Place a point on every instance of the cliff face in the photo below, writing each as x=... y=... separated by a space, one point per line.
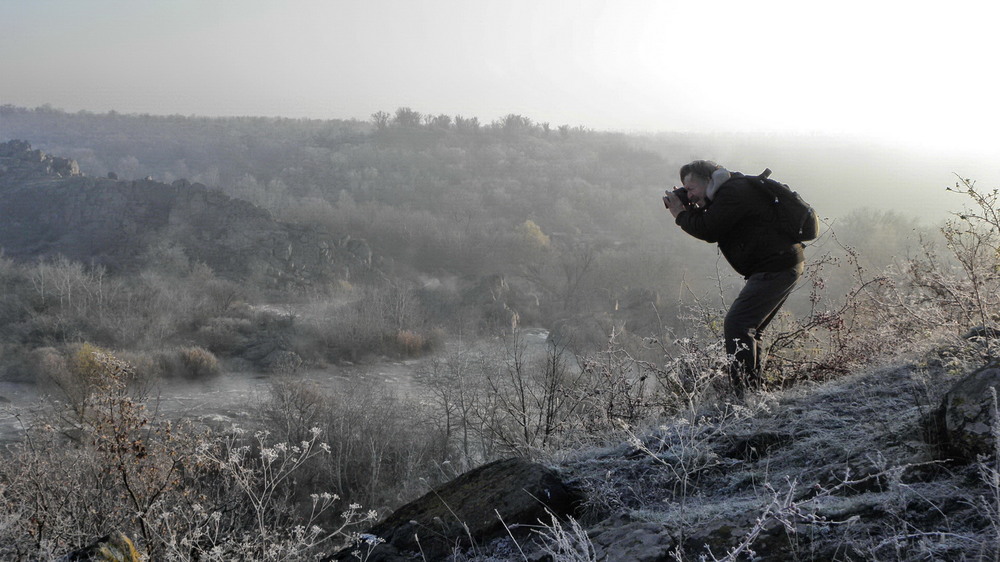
x=48 y=208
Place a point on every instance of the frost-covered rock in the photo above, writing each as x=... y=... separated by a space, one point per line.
x=487 y=503
x=966 y=414
x=620 y=538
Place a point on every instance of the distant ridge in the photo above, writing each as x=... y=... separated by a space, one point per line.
x=48 y=208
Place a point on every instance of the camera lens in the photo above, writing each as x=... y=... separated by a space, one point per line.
x=682 y=194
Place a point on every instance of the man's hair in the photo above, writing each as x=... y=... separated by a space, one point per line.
x=702 y=169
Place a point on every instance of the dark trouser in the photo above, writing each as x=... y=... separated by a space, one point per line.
x=751 y=312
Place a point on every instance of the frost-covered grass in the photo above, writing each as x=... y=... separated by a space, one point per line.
x=838 y=470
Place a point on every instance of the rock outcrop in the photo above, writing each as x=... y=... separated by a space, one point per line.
x=622 y=538
x=966 y=415
x=47 y=209
x=488 y=503
x=18 y=162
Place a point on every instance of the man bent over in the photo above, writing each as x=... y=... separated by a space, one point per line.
x=725 y=208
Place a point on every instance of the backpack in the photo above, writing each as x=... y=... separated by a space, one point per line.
x=794 y=216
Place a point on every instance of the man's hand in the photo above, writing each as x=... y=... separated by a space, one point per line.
x=673 y=203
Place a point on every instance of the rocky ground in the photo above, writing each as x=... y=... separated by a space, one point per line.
x=851 y=469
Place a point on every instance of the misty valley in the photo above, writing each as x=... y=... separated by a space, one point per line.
x=229 y=397
x=257 y=338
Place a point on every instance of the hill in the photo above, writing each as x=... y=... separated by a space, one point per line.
x=475 y=232
x=852 y=469
x=48 y=208
x=570 y=218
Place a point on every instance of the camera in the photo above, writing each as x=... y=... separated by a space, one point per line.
x=682 y=194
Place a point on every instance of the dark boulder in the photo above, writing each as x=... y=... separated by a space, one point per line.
x=962 y=425
x=484 y=504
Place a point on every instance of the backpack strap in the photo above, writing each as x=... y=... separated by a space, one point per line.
x=793 y=216
x=761 y=182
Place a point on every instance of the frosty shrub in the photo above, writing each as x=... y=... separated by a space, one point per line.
x=382 y=446
x=839 y=332
x=833 y=335
x=103 y=463
x=410 y=343
x=99 y=465
x=249 y=514
x=198 y=363
x=692 y=372
x=619 y=388
x=565 y=542
x=191 y=363
x=961 y=288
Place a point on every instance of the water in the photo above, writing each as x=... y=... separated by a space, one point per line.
x=234 y=396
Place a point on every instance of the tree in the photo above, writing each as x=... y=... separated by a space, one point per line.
x=466 y=124
x=439 y=121
x=530 y=400
x=562 y=274
x=531 y=233
x=970 y=293
x=406 y=117
x=381 y=119
x=514 y=124
x=456 y=383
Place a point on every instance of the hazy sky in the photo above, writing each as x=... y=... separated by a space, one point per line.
x=916 y=73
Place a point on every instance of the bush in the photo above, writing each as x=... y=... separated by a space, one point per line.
x=198 y=363
x=224 y=335
x=409 y=342
x=183 y=493
x=383 y=448
x=189 y=363
x=49 y=365
x=22 y=364
x=80 y=374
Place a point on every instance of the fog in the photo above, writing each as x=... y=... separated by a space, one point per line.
x=841 y=174
x=865 y=112
x=433 y=231
x=464 y=227
x=908 y=77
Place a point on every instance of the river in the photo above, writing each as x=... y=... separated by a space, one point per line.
x=232 y=395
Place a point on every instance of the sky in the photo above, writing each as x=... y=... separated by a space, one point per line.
x=913 y=74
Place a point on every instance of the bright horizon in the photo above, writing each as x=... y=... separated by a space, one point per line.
x=893 y=73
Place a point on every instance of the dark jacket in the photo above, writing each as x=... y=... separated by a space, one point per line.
x=740 y=218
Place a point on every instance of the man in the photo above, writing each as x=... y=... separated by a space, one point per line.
x=726 y=208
